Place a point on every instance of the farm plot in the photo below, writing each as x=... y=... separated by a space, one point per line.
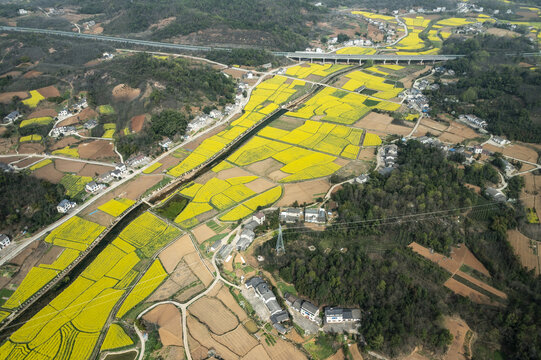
x=305 y=70
x=324 y=137
x=302 y=164
x=526 y=249
x=34 y=100
x=214 y=194
x=167 y=317
x=272 y=92
x=67 y=151
x=339 y=106
x=362 y=79
x=116 y=338
x=74 y=184
x=115 y=207
x=44 y=120
x=246 y=208
x=28 y=138
x=69 y=327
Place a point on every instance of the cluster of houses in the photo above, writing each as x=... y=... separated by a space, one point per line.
x=332 y=315
x=389 y=154
x=473 y=121
x=4 y=241
x=65 y=205
x=63 y=131
x=310 y=215
x=74 y=109
x=470 y=29
x=416 y=100
x=118 y=173
x=263 y=292
x=247 y=234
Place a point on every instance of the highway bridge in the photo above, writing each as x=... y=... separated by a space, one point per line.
x=300 y=56
x=343 y=58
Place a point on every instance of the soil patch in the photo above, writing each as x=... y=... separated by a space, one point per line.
x=238 y=340
x=97 y=149
x=225 y=296
x=203 y=233
x=257 y=353
x=48 y=173
x=195 y=143
x=135 y=188
x=68 y=166
x=137 y=122
x=524 y=248
x=502 y=32
x=233 y=172
x=382 y=124
x=197 y=267
x=461 y=289
x=5 y=98
x=48 y=91
x=13 y=74
x=259 y=185
x=172 y=255
x=28 y=161
x=32 y=74
x=283 y=350
x=408 y=80
x=31 y=148
x=123 y=92
x=214 y=314
x=305 y=192
x=167 y=317
x=264 y=167
x=201 y=334
x=94 y=170
x=521 y=152
x=62 y=143
x=42 y=113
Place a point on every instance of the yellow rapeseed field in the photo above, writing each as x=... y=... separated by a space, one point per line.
x=371 y=140
x=191 y=190
x=116 y=338
x=151 y=168
x=67 y=151
x=144 y=287
x=115 y=207
x=30 y=138
x=36 y=278
x=41 y=164
x=44 y=120
x=34 y=99
x=249 y=206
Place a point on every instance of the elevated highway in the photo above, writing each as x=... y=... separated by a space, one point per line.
x=300 y=56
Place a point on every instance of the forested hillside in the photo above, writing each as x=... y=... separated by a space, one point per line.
x=362 y=260
x=493 y=86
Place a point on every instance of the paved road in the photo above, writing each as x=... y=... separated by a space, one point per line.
x=45 y=156
x=17 y=247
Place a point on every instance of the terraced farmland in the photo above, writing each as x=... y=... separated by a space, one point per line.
x=74 y=235
x=69 y=327
x=264 y=99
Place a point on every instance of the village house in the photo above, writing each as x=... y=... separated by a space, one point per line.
x=64 y=206
x=496 y=194
x=137 y=160
x=225 y=251
x=500 y=141
x=264 y=293
x=4 y=241
x=291 y=215
x=335 y=315
x=93 y=187
x=215 y=246
x=315 y=216
x=106 y=177
x=62 y=130
x=12 y=117
x=304 y=307
x=166 y=143
x=63 y=114
x=90 y=124
x=259 y=217
x=361 y=179
x=247 y=236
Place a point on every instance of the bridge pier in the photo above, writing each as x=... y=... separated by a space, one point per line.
x=348 y=61
x=396 y=61
x=409 y=62
x=360 y=62
x=384 y=61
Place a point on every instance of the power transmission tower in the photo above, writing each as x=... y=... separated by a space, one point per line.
x=280 y=249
